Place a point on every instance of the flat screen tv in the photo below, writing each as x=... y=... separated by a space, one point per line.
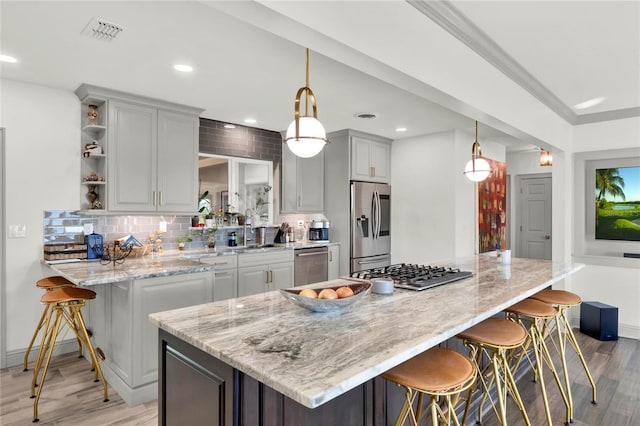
x=618 y=203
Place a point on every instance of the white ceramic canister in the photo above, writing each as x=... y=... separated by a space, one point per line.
x=382 y=285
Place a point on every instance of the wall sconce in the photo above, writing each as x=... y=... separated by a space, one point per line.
x=306 y=135
x=546 y=159
x=477 y=169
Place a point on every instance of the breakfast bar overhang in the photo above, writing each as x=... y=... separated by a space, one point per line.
x=262 y=360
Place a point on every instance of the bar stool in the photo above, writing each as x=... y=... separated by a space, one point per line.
x=47 y=284
x=536 y=313
x=438 y=373
x=494 y=337
x=562 y=300
x=67 y=303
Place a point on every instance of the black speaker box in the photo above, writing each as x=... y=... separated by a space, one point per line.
x=599 y=320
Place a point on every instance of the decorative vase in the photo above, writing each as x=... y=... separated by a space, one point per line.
x=92 y=115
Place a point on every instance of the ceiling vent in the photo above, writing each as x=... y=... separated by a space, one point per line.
x=102 y=30
x=365 y=115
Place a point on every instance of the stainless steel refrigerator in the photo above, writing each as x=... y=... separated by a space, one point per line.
x=370 y=225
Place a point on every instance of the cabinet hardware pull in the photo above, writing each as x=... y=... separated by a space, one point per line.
x=270 y=276
x=318 y=253
x=154 y=198
x=161 y=198
x=221 y=273
x=330 y=256
x=373 y=171
x=298 y=200
x=266 y=281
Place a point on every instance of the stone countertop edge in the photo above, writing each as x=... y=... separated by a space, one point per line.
x=315 y=357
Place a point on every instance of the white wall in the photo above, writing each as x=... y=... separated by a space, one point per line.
x=607 y=279
x=42 y=172
x=434 y=204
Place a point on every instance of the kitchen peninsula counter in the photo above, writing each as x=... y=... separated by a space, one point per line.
x=175 y=262
x=313 y=358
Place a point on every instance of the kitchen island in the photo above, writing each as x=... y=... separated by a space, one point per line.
x=262 y=360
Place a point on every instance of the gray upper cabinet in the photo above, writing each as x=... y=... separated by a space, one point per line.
x=151 y=153
x=302 y=183
x=370 y=160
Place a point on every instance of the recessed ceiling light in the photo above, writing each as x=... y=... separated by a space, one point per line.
x=365 y=115
x=7 y=58
x=250 y=120
x=401 y=129
x=183 y=67
x=590 y=103
x=229 y=126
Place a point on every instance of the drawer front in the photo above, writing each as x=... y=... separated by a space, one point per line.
x=265 y=258
x=222 y=262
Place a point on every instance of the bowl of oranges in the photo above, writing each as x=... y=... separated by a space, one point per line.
x=329 y=298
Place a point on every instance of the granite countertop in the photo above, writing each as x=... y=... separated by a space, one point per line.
x=171 y=262
x=314 y=357
x=88 y=273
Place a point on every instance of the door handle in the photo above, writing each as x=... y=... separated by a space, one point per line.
x=547 y=237
x=318 y=253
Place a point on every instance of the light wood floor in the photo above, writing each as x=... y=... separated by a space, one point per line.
x=71 y=398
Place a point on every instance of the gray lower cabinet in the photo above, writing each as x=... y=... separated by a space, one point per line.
x=261 y=272
x=225 y=277
x=333 y=267
x=121 y=327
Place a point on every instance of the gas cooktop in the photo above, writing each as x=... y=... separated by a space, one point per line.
x=414 y=277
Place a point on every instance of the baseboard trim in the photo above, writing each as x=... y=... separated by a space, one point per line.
x=17 y=357
x=132 y=396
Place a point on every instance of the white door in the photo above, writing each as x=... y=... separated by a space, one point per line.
x=535 y=210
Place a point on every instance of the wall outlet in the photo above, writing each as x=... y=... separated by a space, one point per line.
x=18 y=231
x=300 y=223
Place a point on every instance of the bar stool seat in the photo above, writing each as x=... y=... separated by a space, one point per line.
x=438 y=372
x=493 y=337
x=536 y=313
x=47 y=283
x=66 y=303
x=562 y=300
x=557 y=297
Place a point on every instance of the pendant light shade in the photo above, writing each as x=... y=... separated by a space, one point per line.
x=306 y=135
x=546 y=159
x=477 y=169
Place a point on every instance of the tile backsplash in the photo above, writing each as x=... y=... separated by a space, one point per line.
x=67 y=226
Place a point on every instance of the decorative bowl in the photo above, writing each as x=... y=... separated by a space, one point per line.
x=360 y=289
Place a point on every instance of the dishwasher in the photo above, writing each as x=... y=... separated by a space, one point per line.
x=310 y=265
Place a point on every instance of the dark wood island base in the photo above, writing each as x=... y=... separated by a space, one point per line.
x=197 y=389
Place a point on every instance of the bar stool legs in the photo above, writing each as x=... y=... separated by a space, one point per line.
x=536 y=313
x=494 y=338
x=440 y=374
x=66 y=305
x=562 y=300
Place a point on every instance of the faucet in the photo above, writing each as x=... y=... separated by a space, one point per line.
x=247 y=228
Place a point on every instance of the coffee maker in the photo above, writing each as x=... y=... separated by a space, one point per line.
x=319 y=230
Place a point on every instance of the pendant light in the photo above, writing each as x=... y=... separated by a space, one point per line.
x=546 y=159
x=306 y=135
x=477 y=168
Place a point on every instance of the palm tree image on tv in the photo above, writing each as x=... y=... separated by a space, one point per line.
x=618 y=204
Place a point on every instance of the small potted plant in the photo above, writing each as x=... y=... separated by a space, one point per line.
x=183 y=240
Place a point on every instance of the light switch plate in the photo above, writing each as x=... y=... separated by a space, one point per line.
x=18 y=231
x=300 y=223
